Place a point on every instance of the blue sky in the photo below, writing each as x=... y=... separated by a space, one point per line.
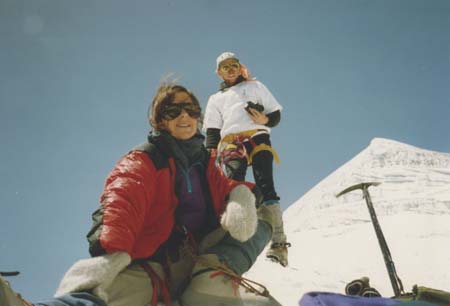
x=77 y=78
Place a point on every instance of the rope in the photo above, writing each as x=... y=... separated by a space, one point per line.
x=249 y=285
x=157 y=283
x=161 y=286
x=188 y=249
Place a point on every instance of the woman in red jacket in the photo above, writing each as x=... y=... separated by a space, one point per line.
x=170 y=225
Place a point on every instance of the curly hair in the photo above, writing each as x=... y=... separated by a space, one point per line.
x=165 y=95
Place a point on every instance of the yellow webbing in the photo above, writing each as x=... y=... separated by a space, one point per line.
x=228 y=142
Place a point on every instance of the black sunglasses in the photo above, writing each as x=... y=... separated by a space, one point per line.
x=173 y=110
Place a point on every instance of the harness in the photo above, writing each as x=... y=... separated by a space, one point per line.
x=158 y=285
x=243 y=145
x=165 y=256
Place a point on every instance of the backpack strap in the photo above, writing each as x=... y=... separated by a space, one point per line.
x=160 y=161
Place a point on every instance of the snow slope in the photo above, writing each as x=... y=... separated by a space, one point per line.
x=333 y=240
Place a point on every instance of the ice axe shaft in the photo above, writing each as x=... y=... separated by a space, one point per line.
x=397 y=285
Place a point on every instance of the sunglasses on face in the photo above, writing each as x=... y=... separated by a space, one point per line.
x=226 y=67
x=173 y=110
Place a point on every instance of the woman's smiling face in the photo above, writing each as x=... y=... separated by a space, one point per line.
x=184 y=126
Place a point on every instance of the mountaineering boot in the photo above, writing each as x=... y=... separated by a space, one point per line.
x=278 y=249
x=8 y=297
x=214 y=284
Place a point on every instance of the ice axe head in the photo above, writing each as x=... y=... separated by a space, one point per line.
x=362 y=186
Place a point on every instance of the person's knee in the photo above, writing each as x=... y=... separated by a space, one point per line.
x=240 y=256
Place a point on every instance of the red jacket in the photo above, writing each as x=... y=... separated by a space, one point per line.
x=139 y=201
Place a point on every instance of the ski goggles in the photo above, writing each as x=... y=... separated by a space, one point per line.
x=173 y=110
x=227 y=67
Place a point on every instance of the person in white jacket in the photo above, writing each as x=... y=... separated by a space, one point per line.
x=237 y=121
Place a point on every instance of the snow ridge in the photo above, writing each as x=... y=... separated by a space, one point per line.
x=390 y=153
x=413 y=179
x=333 y=241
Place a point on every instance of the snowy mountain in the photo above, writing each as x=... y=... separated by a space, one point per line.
x=333 y=240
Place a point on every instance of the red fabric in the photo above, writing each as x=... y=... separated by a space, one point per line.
x=139 y=202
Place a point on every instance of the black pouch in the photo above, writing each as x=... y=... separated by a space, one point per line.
x=256 y=106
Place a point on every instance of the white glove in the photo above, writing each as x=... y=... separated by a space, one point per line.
x=240 y=217
x=95 y=273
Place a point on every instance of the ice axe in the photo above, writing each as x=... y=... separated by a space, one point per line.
x=397 y=285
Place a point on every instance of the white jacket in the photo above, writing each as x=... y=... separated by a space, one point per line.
x=226 y=109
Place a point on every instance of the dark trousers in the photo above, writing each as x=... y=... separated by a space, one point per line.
x=262 y=165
